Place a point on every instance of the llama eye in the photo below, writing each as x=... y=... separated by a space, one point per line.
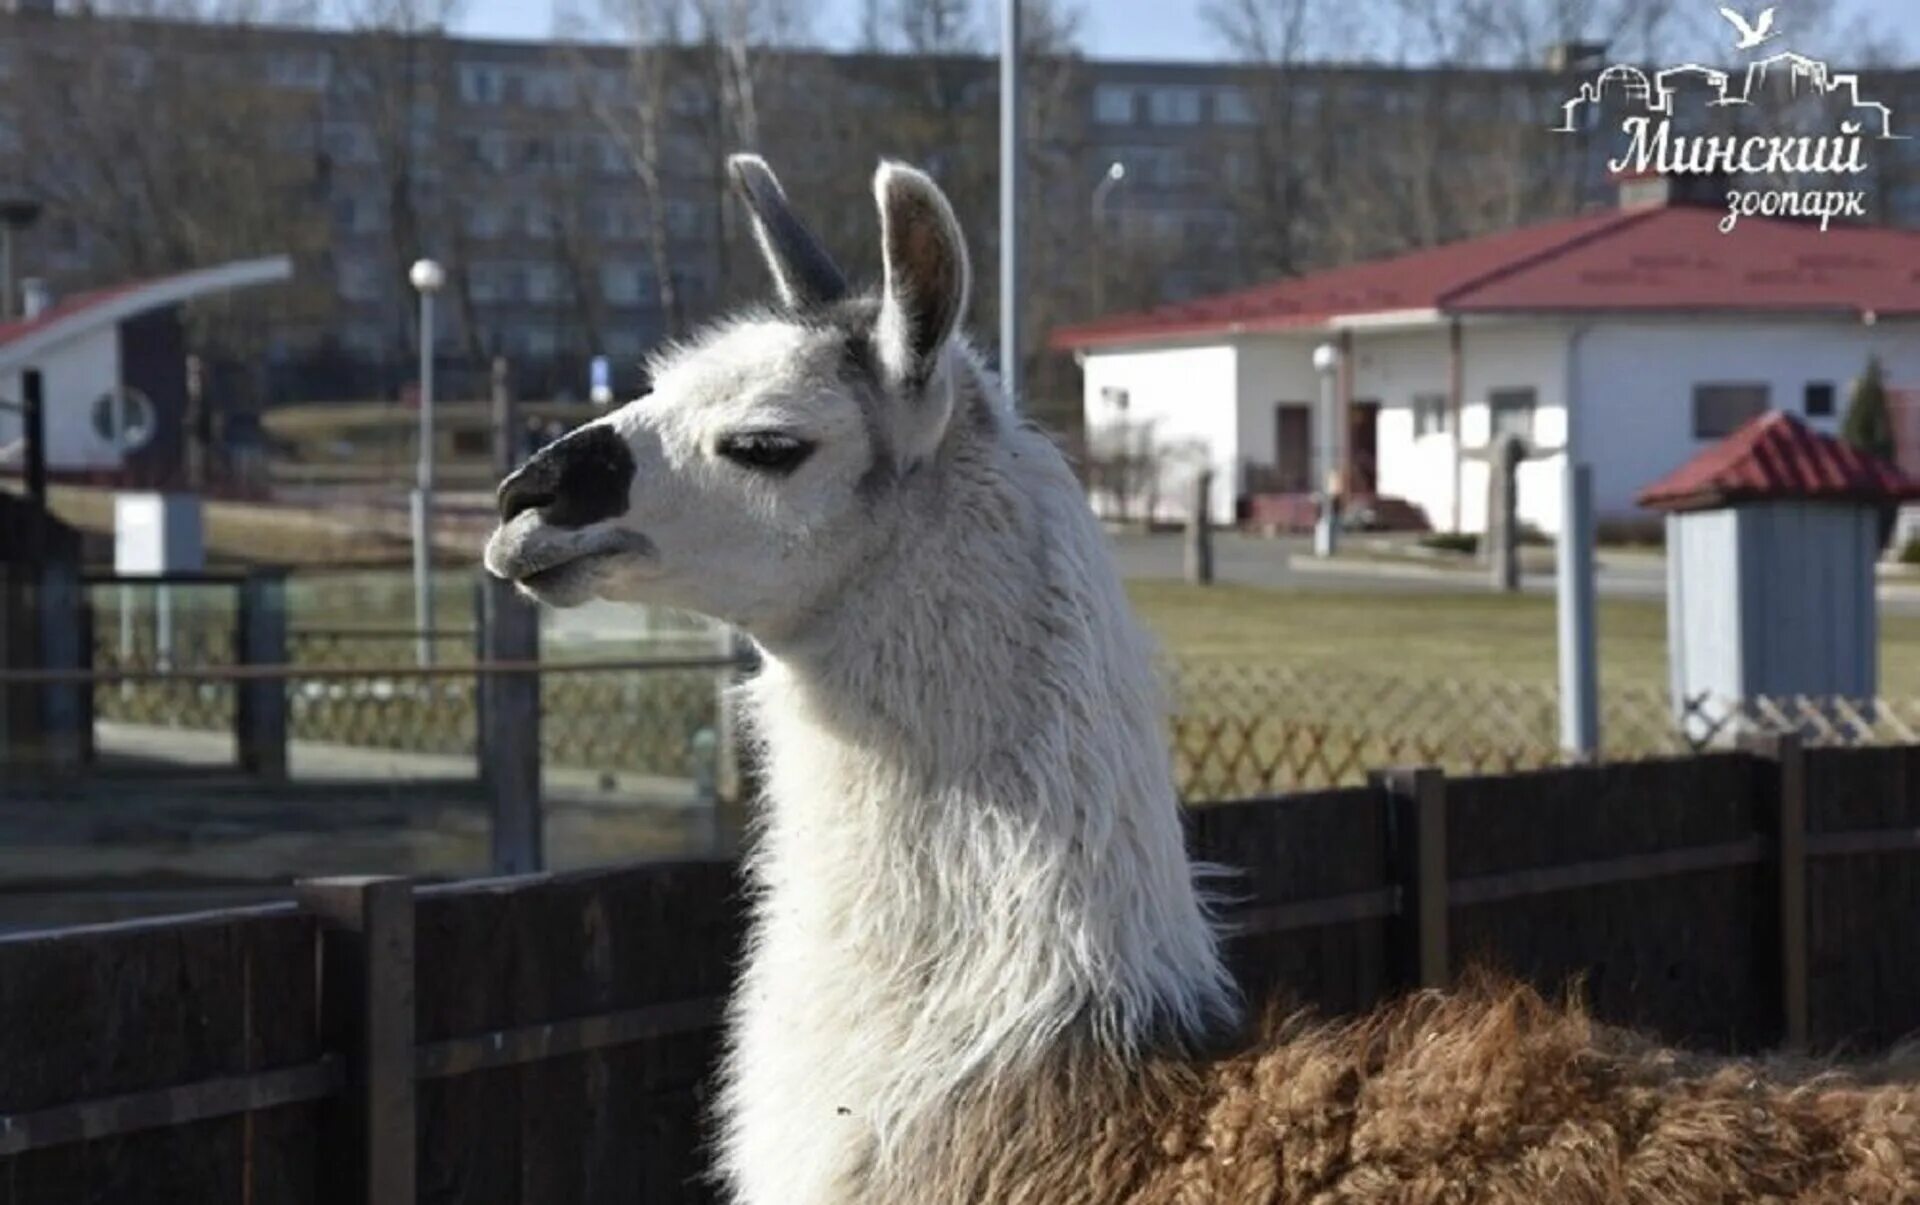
x=765 y=451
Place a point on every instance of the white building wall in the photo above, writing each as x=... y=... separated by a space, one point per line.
x=1275 y=370
x=74 y=375
x=1637 y=379
x=1393 y=369
x=1515 y=356
x=1187 y=395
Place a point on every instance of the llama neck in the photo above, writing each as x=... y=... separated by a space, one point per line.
x=972 y=853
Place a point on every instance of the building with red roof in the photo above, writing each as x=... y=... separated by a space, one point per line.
x=112 y=364
x=1635 y=335
x=1772 y=537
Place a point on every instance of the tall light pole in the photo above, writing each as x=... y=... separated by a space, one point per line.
x=1116 y=172
x=16 y=213
x=1326 y=524
x=427 y=278
x=1012 y=147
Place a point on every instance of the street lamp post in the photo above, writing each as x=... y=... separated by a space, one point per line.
x=1116 y=172
x=16 y=213
x=1326 y=525
x=1012 y=152
x=427 y=278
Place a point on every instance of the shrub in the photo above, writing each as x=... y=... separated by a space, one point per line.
x=1868 y=426
x=1451 y=541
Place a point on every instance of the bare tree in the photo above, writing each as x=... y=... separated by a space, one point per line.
x=389 y=93
x=153 y=156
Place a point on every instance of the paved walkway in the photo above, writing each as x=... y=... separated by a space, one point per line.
x=1288 y=563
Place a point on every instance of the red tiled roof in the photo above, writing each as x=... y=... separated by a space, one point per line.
x=85 y=312
x=1776 y=456
x=65 y=308
x=1671 y=258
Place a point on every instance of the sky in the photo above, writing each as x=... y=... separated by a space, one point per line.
x=1142 y=29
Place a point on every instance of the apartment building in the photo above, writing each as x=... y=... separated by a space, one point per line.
x=576 y=193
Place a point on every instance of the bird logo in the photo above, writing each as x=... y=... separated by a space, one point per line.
x=1751 y=35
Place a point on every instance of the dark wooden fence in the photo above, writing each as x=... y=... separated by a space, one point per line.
x=549 y=1038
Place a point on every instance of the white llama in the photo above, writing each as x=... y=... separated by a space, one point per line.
x=979 y=968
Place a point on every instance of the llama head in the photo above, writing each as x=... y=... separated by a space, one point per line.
x=769 y=463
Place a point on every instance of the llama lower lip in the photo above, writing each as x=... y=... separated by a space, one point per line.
x=530 y=562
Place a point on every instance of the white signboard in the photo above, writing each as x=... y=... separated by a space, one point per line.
x=157 y=534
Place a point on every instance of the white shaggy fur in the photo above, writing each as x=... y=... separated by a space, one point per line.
x=970 y=848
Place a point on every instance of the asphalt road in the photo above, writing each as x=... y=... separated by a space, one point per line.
x=1288 y=563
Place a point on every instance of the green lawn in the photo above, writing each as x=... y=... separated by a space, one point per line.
x=1483 y=637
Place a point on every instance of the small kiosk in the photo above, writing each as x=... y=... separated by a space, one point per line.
x=1772 y=537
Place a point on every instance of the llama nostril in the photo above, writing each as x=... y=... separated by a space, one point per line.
x=523 y=492
x=581 y=478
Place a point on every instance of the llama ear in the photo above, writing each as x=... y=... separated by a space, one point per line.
x=926 y=275
x=803 y=273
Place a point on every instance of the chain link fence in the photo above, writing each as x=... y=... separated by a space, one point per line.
x=1243 y=730
x=1237 y=729
x=657 y=722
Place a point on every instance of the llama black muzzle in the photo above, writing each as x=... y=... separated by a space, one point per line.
x=581 y=478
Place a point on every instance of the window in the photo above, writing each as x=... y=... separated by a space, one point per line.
x=125 y=418
x=1115 y=397
x=357 y=215
x=348 y=143
x=485 y=219
x=542 y=282
x=536 y=219
x=683 y=219
x=538 y=341
x=1174 y=106
x=481 y=84
x=490 y=282
x=1510 y=412
x=1230 y=107
x=1113 y=105
x=1818 y=402
x=624 y=284
x=1429 y=414
x=1720 y=410
x=359 y=280
x=547 y=89
x=303 y=69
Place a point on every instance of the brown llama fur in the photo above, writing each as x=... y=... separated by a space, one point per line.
x=1487 y=1095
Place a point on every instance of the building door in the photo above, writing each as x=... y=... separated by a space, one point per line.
x=1292 y=448
x=1363 y=448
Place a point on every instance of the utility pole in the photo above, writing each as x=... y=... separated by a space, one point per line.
x=1109 y=180
x=427 y=278
x=1012 y=149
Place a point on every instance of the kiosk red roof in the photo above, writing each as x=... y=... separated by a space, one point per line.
x=1776 y=456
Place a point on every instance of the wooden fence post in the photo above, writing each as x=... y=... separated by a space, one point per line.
x=65 y=712
x=1417 y=860
x=1787 y=828
x=260 y=705
x=1200 y=530
x=508 y=705
x=33 y=432
x=367 y=1015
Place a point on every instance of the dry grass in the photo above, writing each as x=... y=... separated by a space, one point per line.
x=1429 y=636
